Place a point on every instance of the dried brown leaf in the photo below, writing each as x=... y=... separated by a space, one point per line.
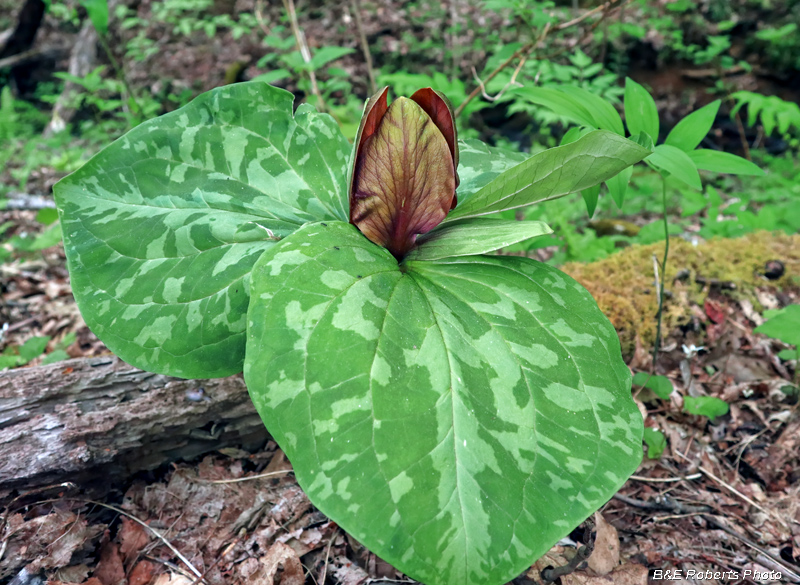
x=605 y=555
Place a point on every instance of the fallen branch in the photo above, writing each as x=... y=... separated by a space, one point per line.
x=91 y=421
x=27 y=202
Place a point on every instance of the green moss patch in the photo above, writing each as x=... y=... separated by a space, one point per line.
x=624 y=283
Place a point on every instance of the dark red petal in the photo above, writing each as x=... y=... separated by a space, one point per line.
x=439 y=108
x=373 y=113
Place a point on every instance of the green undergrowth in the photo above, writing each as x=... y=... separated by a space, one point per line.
x=623 y=283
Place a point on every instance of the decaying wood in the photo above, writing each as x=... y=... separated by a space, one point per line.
x=93 y=420
x=27 y=201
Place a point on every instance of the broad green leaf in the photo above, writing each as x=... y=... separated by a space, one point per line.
x=325 y=55
x=478 y=164
x=783 y=325
x=641 y=114
x=660 y=385
x=475 y=236
x=656 y=442
x=58 y=355
x=708 y=406
x=689 y=132
x=98 y=14
x=618 y=186
x=590 y=197
x=457 y=417
x=162 y=227
x=560 y=103
x=602 y=111
x=677 y=163
x=554 y=173
x=723 y=162
x=33 y=348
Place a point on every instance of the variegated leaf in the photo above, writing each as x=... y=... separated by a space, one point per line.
x=479 y=164
x=458 y=417
x=162 y=228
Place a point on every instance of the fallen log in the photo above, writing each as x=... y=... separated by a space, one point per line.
x=94 y=420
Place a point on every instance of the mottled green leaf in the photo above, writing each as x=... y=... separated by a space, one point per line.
x=641 y=114
x=723 y=162
x=479 y=235
x=457 y=417
x=554 y=173
x=162 y=227
x=677 y=163
x=479 y=163
x=689 y=132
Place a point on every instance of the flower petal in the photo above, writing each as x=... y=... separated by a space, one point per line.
x=373 y=113
x=439 y=108
x=404 y=180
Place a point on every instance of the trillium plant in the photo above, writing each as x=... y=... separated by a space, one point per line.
x=458 y=412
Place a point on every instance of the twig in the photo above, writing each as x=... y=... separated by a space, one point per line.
x=327 y=556
x=736 y=492
x=155 y=532
x=551 y=574
x=302 y=46
x=373 y=87
x=120 y=73
x=660 y=285
x=241 y=479
x=526 y=50
x=666 y=479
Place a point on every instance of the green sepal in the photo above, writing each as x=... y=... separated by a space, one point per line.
x=479 y=235
x=553 y=173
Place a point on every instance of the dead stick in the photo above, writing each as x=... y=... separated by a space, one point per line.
x=364 y=46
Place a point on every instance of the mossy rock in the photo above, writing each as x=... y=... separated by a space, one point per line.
x=624 y=283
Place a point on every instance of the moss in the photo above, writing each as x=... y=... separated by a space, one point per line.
x=624 y=283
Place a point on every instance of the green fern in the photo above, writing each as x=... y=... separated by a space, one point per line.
x=772 y=111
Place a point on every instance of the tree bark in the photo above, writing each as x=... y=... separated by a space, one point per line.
x=28 y=21
x=94 y=420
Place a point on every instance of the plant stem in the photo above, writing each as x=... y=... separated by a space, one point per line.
x=663 y=273
x=364 y=45
x=120 y=73
x=302 y=46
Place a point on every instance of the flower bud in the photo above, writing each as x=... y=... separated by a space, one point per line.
x=403 y=182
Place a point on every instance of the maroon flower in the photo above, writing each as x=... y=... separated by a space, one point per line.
x=404 y=180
